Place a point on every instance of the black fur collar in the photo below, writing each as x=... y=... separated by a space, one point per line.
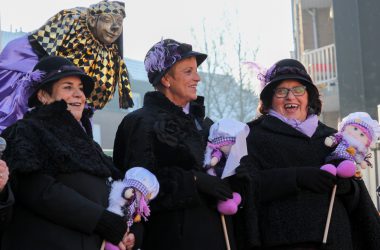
x=50 y=140
x=159 y=100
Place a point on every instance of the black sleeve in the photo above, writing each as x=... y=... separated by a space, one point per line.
x=138 y=230
x=271 y=184
x=350 y=198
x=56 y=202
x=133 y=143
x=6 y=203
x=134 y=147
x=62 y=205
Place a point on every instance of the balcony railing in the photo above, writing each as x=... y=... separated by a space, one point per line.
x=321 y=65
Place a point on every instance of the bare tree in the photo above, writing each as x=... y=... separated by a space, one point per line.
x=245 y=109
x=225 y=84
x=213 y=80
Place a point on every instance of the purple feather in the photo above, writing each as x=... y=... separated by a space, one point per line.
x=261 y=74
x=27 y=85
x=161 y=57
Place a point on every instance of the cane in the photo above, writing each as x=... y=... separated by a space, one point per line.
x=329 y=215
x=103 y=245
x=225 y=232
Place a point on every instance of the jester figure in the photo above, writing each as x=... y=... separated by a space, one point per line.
x=90 y=37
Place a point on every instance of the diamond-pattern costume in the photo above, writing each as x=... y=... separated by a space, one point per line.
x=65 y=34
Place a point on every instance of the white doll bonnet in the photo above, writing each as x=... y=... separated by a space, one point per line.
x=363 y=119
x=228 y=129
x=143 y=180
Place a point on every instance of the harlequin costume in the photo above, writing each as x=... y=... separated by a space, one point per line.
x=65 y=34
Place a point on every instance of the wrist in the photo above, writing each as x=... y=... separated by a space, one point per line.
x=112 y=227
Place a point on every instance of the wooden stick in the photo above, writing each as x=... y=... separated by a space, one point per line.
x=103 y=245
x=225 y=232
x=329 y=215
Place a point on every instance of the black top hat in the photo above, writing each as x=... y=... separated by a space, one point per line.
x=55 y=68
x=286 y=69
x=164 y=54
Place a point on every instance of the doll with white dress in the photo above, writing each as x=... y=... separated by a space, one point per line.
x=227 y=145
x=130 y=197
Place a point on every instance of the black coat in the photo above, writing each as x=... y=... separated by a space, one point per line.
x=162 y=138
x=280 y=213
x=59 y=177
x=6 y=203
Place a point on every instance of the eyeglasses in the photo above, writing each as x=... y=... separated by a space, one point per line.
x=283 y=92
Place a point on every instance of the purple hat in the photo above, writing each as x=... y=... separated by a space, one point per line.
x=164 y=54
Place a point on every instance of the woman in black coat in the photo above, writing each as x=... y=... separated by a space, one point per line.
x=59 y=173
x=168 y=136
x=288 y=195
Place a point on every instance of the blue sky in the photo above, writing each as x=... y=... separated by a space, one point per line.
x=266 y=24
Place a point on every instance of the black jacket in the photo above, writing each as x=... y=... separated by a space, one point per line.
x=278 y=212
x=59 y=177
x=6 y=203
x=162 y=138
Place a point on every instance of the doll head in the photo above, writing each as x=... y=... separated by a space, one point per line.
x=141 y=186
x=141 y=180
x=360 y=128
x=359 y=133
x=220 y=142
x=227 y=137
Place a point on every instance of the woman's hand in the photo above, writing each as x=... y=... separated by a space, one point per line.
x=212 y=185
x=4 y=174
x=128 y=241
x=315 y=179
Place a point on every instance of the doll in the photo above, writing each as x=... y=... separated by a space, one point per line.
x=130 y=197
x=357 y=132
x=226 y=146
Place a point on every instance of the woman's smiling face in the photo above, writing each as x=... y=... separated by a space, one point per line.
x=291 y=106
x=69 y=89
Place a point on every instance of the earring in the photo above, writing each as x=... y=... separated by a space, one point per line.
x=169 y=85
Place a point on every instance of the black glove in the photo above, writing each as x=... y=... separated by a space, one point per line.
x=138 y=230
x=112 y=227
x=315 y=179
x=212 y=185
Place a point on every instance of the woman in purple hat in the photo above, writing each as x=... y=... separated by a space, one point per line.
x=59 y=173
x=168 y=136
x=288 y=195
